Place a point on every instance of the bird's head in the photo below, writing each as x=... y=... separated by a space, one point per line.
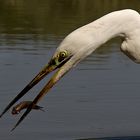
x=70 y=52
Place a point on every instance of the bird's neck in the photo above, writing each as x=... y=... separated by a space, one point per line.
x=88 y=38
x=124 y=23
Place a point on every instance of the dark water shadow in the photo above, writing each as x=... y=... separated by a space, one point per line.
x=114 y=138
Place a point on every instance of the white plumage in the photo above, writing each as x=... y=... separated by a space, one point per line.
x=124 y=23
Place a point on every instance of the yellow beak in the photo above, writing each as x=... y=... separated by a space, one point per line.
x=52 y=65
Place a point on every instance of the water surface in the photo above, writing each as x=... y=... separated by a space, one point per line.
x=98 y=99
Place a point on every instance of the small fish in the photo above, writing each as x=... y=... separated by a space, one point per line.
x=23 y=105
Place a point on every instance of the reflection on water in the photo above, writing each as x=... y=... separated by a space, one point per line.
x=99 y=98
x=54 y=17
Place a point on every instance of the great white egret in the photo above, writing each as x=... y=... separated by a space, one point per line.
x=81 y=43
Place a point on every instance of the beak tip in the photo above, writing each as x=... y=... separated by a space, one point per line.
x=13 y=129
x=1 y=115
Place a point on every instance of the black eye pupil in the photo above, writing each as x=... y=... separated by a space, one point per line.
x=62 y=54
x=61 y=57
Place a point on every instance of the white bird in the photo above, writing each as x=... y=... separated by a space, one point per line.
x=81 y=43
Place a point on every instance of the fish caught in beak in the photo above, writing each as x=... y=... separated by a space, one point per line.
x=58 y=62
x=46 y=70
x=23 y=105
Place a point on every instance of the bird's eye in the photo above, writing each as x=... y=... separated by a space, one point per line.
x=62 y=55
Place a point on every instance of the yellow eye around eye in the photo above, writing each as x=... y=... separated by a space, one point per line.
x=63 y=54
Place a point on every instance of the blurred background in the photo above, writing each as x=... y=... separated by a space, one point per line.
x=98 y=98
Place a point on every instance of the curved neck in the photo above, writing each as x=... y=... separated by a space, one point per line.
x=83 y=41
x=124 y=23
